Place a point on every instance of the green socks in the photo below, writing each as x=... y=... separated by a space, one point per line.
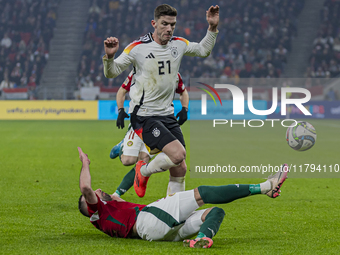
x=126 y=183
x=223 y=194
x=212 y=223
x=228 y=193
x=255 y=189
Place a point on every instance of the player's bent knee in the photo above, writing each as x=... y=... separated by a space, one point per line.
x=215 y=212
x=144 y=156
x=219 y=211
x=128 y=160
x=178 y=157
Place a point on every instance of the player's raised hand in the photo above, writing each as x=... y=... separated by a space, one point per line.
x=83 y=157
x=213 y=17
x=111 y=45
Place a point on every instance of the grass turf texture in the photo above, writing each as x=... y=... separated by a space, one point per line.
x=39 y=194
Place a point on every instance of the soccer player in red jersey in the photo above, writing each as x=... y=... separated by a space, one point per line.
x=173 y=218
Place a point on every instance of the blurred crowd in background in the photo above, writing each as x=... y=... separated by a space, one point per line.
x=325 y=57
x=26 y=28
x=254 y=36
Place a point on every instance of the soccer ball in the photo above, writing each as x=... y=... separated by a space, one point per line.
x=301 y=137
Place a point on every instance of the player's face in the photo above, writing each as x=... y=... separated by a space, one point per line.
x=102 y=195
x=164 y=28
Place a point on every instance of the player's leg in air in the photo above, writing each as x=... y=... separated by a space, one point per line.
x=117 y=150
x=114 y=153
x=173 y=210
x=131 y=150
x=161 y=133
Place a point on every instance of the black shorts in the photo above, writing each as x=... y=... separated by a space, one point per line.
x=157 y=131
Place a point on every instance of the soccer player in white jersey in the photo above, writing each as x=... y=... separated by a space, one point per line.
x=156 y=59
x=131 y=148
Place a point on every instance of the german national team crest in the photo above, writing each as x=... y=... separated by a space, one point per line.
x=174 y=52
x=156 y=132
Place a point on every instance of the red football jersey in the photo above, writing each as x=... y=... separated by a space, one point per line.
x=180 y=86
x=114 y=218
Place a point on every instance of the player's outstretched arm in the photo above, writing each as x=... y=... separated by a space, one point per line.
x=213 y=17
x=204 y=48
x=85 y=179
x=114 y=67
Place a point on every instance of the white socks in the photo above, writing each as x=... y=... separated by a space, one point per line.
x=265 y=186
x=176 y=184
x=160 y=163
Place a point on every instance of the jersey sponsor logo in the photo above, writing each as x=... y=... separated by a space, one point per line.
x=129 y=143
x=150 y=56
x=156 y=132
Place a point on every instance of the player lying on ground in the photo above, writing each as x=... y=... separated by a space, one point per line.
x=132 y=148
x=156 y=59
x=173 y=218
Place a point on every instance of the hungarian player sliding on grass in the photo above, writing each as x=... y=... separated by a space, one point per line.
x=131 y=148
x=156 y=59
x=173 y=218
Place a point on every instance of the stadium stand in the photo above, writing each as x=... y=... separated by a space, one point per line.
x=324 y=61
x=254 y=40
x=26 y=28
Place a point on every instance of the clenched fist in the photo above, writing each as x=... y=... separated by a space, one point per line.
x=111 y=45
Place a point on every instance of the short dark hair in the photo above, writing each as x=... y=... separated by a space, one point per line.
x=164 y=10
x=83 y=207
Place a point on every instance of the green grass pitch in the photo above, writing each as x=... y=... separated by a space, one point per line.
x=39 y=168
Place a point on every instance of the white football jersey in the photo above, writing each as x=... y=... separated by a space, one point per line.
x=155 y=70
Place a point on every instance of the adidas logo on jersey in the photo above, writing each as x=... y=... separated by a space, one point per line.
x=150 y=56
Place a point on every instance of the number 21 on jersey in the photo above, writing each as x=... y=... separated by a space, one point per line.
x=162 y=67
